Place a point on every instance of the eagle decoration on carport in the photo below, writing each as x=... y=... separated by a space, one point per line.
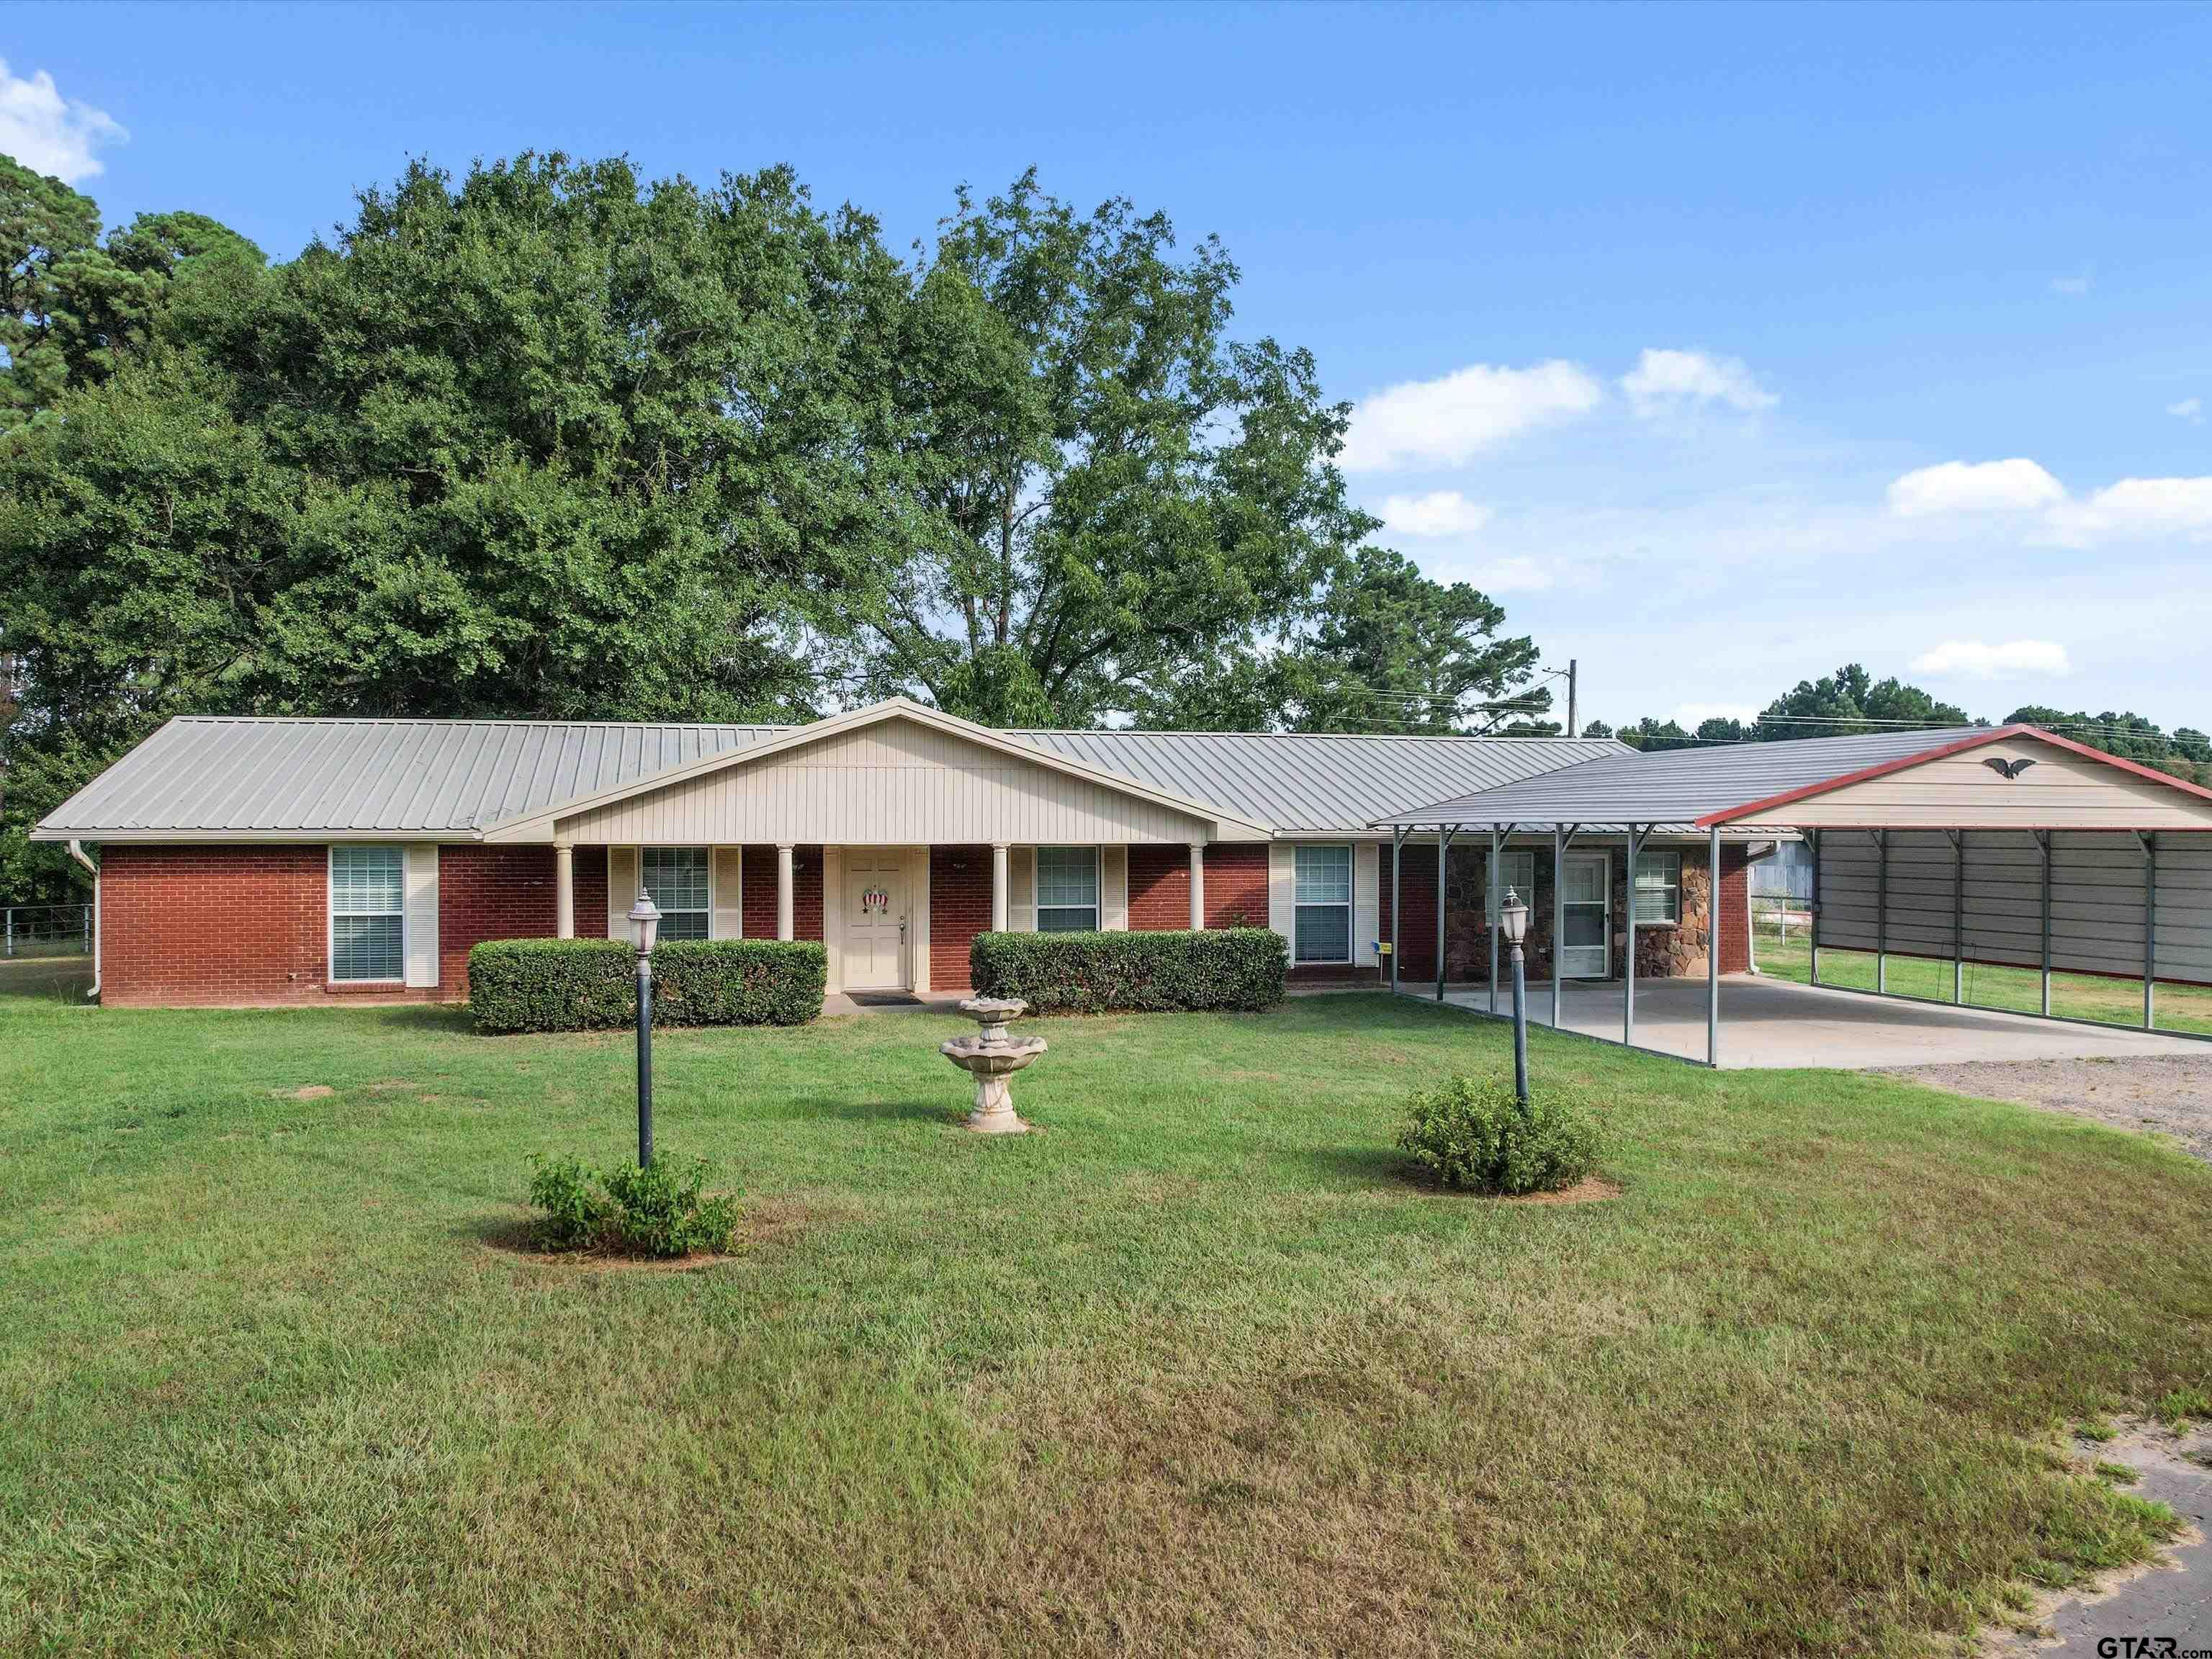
x=2008 y=768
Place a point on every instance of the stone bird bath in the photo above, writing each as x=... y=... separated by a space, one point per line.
x=993 y=1058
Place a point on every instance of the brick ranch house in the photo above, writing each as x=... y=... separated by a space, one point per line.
x=266 y=861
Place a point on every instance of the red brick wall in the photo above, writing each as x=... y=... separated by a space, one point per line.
x=959 y=909
x=1736 y=908
x=219 y=924
x=1159 y=887
x=760 y=892
x=590 y=878
x=1236 y=885
x=212 y=924
x=499 y=892
x=805 y=892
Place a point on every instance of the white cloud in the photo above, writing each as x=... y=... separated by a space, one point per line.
x=2190 y=410
x=1439 y=513
x=2075 y=286
x=1978 y=659
x=1691 y=715
x=2141 y=507
x=1444 y=422
x=1515 y=575
x=50 y=134
x=2018 y=485
x=1664 y=380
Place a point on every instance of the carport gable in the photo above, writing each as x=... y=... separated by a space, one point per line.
x=2013 y=777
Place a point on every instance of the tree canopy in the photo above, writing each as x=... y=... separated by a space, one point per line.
x=547 y=439
x=1853 y=700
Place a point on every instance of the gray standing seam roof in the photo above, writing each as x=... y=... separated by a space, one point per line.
x=1672 y=788
x=205 y=775
x=1298 y=782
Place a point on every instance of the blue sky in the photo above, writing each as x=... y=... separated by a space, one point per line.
x=1722 y=345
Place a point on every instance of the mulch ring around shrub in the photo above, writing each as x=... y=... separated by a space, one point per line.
x=763 y=1223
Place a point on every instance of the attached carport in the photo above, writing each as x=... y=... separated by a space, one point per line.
x=2009 y=845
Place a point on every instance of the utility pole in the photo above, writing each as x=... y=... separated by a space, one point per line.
x=1572 y=728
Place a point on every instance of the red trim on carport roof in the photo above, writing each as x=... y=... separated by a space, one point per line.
x=1978 y=740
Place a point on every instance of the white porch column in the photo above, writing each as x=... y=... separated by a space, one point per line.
x=999 y=885
x=1198 y=887
x=564 y=890
x=783 y=890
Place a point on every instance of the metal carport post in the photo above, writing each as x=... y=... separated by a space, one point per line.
x=1628 y=967
x=1562 y=838
x=1713 y=945
x=1444 y=833
x=1397 y=845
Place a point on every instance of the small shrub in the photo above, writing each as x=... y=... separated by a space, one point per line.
x=591 y=984
x=657 y=1211
x=1473 y=1134
x=1132 y=973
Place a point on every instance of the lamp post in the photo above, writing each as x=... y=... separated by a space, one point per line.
x=644 y=924
x=1513 y=926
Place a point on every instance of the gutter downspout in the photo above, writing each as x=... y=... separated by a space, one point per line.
x=76 y=852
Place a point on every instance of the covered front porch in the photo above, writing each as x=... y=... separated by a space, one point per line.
x=901 y=919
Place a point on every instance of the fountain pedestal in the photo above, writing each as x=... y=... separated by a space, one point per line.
x=992 y=1058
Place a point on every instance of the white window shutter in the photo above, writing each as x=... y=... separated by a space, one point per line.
x=1113 y=890
x=622 y=889
x=1021 y=889
x=422 y=917
x=1282 y=888
x=1366 y=919
x=729 y=879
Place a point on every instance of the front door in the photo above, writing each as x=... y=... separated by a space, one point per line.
x=1586 y=919
x=875 y=920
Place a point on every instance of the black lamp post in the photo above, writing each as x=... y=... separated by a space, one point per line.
x=1513 y=927
x=644 y=925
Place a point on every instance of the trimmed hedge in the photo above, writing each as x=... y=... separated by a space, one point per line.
x=1145 y=973
x=591 y=984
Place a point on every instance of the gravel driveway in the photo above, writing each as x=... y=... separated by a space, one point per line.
x=2172 y=1095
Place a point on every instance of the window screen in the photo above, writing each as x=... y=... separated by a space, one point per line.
x=676 y=879
x=1323 y=926
x=1658 y=888
x=368 y=893
x=1067 y=889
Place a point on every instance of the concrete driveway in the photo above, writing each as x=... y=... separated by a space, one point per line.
x=1777 y=1023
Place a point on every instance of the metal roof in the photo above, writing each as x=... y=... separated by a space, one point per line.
x=1337 y=782
x=1672 y=789
x=200 y=775
x=212 y=777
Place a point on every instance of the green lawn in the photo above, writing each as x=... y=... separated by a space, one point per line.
x=1193 y=1370
x=2079 y=996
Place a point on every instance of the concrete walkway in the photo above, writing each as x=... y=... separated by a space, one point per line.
x=2166 y=1608
x=1777 y=1023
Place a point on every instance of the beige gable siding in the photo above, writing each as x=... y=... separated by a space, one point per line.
x=894 y=782
x=2061 y=791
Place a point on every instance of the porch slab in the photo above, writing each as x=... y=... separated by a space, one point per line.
x=1770 y=1023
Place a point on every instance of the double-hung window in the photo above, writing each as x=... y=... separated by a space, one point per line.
x=1658 y=890
x=1517 y=875
x=368 y=928
x=1323 y=925
x=1067 y=889
x=676 y=880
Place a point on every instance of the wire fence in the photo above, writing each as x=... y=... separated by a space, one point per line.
x=45 y=930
